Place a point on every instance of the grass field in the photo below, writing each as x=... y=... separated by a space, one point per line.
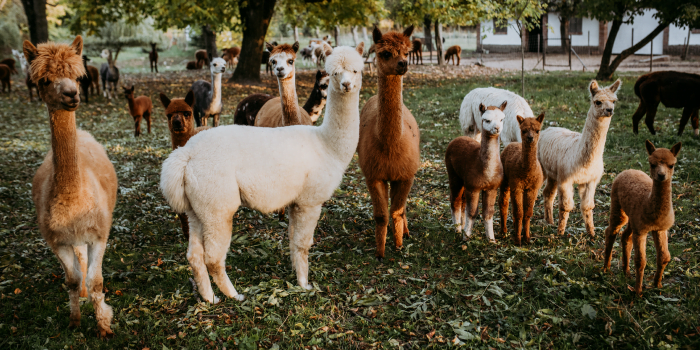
x=436 y=292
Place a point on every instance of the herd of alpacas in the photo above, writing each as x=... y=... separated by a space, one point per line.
x=275 y=158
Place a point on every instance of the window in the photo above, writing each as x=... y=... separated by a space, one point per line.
x=576 y=26
x=499 y=29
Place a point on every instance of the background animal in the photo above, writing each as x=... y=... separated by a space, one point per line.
x=452 y=53
x=10 y=62
x=248 y=108
x=110 y=74
x=201 y=58
x=674 y=90
x=192 y=65
x=140 y=108
x=153 y=58
x=230 y=55
x=317 y=99
x=94 y=78
x=569 y=158
x=416 y=52
x=470 y=116
x=645 y=204
x=208 y=95
x=85 y=81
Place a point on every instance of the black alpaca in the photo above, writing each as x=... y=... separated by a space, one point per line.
x=85 y=81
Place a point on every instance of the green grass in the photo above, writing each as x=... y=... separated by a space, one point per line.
x=550 y=294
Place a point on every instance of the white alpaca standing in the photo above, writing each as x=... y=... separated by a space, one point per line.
x=570 y=158
x=265 y=169
x=470 y=116
x=208 y=95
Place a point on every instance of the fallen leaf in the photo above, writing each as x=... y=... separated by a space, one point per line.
x=17 y=291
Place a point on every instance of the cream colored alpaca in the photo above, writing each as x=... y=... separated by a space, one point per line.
x=75 y=188
x=570 y=158
x=283 y=110
x=265 y=169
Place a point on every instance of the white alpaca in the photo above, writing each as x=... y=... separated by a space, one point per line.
x=22 y=60
x=265 y=169
x=208 y=95
x=470 y=116
x=570 y=158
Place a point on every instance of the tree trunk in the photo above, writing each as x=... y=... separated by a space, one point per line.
x=354 y=35
x=427 y=36
x=35 y=10
x=255 y=18
x=564 y=31
x=336 y=34
x=366 y=38
x=607 y=68
x=438 y=42
x=522 y=60
x=296 y=33
x=209 y=42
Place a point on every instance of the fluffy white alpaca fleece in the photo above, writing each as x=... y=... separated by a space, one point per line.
x=265 y=169
x=470 y=116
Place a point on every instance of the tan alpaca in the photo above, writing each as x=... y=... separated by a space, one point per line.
x=182 y=127
x=388 y=149
x=644 y=203
x=283 y=110
x=474 y=168
x=522 y=178
x=75 y=188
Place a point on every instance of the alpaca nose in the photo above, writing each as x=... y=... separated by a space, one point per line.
x=661 y=177
x=609 y=110
x=279 y=69
x=403 y=64
x=70 y=93
x=530 y=139
x=346 y=85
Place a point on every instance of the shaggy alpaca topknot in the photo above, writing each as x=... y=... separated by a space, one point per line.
x=54 y=61
x=290 y=49
x=394 y=42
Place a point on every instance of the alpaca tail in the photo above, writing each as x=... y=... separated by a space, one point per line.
x=638 y=84
x=172 y=180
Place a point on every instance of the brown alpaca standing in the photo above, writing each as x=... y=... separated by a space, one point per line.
x=230 y=55
x=645 y=204
x=182 y=127
x=416 y=52
x=139 y=108
x=202 y=58
x=674 y=90
x=10 y=62
x=153 y=57
x=452 y=52
x=522 y=178
x=95 y=77
x=75 y=188
x=5 y=77
x=388 y=149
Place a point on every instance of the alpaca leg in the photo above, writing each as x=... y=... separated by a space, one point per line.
x=185 y=225
x=695 y=120
x=530 y=197
x=378 y=190
x=71 y=266
x=549 y=193
x=651 y=114
x=517 y=199
x=216 y=236
x=304 y=222
x=503 y=199
x=103 y=312
x=626 y=245
x=640 y=260
x=456 y=199
x=399 y=194
x=471 y=206
x=566 y=205
x=216 y=119
x=195 y=256
x=488 y=201
x=82 y=255
x=586 y=193
x=687 y=112
x=663 y=256
x=618 y=219
x=137 y=126
x=637 y=116
x=147 y=115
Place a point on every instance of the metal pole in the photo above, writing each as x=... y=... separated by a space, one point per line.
x=632 y=37
x=651 y=54
x=538 y=47
x=544 y=52
x=589 y=43
x=570 y=47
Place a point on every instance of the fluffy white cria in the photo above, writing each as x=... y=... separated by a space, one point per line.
x=470 y=116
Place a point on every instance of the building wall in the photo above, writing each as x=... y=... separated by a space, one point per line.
x=643 y=25
x=588 y=26
x=511 y=38
x=678 y=36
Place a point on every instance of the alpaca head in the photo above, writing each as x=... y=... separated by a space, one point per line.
x=217 y=66
x=322 y=79
x=662 y=160
x=492 y=118
x=129 y=92
x=55 y=69
x=153 y=46
x=179 y=113
x=105 y=53
x=392 y=51
x=603 y=99
x=282 y=59
x=530 y=128
x=344 y=65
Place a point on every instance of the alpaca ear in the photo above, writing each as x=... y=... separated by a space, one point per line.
x=593 y=88
x=295 y=47
x=377 y=34
x=650 y=147
x=77 y=45
x=407 y=33
x=327 y=50
x=319 y=74
x=540 y=118
x=269 y=46
x=132 y=88
x=615 y=85
x=189 y=99
x=520 y=119
x=482 y=109
x=675 y=149
x=164 y=100
x=503 y=106
x=30 y=51
x=360 y=48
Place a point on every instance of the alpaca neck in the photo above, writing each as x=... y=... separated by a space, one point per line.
x=591 y=144
x=65 y=156
x=529 y=155
x=290 y=103
x=216 y=85
x=340 y=130
x=180 y=139
x=489 y=152
x=130 y=100
x=390 y=94
x=659 y=202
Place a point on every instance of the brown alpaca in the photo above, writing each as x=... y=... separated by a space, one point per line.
x=139 y=108
x=75 y=188
x=522 y=178
x=645 y=204
x=416 y=52
x=452 y=52
x=388 y=149
x=95 y=78
x=5 y=77
x=230 y=55
x=202 y=58
x=10 y=62
x=192 y=65
x=674 y=90
x=474 y=168
x=153 y=58
x=31 y=85
x=182 y=127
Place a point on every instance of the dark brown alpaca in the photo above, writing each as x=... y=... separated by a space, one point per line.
x=10 y=62
x=5 y=77
x=522 y=178
x=230 y=55
x=85 y=81
x=388 y=149
x=249 y=107
x=31 y=85
x=645 y=204
x=202 y=58
x=674 y=90
x=95 y=78
x=452 y=52
x=416 y=52
x=192 y=65
x=182 y=127
x=153 y=57
x=139 y=108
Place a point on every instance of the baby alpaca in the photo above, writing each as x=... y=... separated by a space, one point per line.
x=522 y=178
x=645 y=204
x=208 y=95
x=570 y=158
x=453 y=52
x=474 y=168
x=139 y=108
x=470 y=116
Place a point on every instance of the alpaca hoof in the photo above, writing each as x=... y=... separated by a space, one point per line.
x=239 y=297
x=74 y=323
x=380 y=259
x=493 y=241
x=308 y=286
x=215 y=300
x=104 y=332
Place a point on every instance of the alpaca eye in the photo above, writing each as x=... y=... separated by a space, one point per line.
x=290 y=61
x=186 y=114
x=598 y=103
x=45 y=82
x=671 y=166
x=355 y=71
x=274 y=61
x=537 y=132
